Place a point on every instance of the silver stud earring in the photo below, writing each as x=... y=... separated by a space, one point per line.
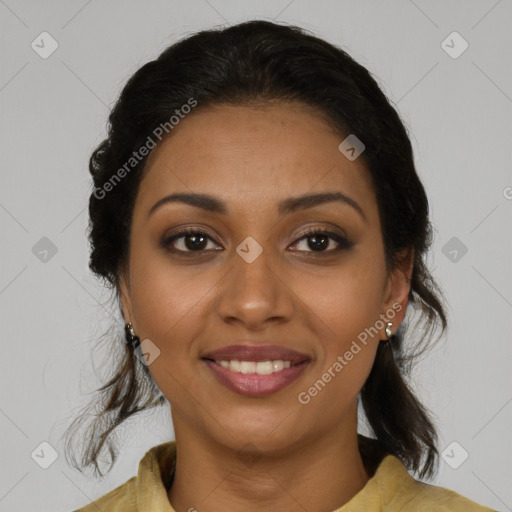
x=388 y=329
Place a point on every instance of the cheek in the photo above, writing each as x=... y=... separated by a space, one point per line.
x=163 y=296
x=169 y=306
x=346 y=356
x=346 y=300
x=344 y=307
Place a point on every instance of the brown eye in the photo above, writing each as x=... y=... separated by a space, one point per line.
x=319 y=240
x=187 y=241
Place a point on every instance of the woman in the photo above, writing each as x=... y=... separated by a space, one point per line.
x=257 y=212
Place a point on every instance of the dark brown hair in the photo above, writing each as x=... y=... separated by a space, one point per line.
x=255 y=62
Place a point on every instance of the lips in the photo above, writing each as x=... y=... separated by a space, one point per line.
x=256 y=354
x=256 y=370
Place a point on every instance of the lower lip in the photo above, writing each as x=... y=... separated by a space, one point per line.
x=253 y=384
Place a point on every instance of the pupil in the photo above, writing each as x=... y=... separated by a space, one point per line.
x=197 y=240
x=318 y=242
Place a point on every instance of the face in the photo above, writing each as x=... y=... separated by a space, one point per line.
x=296 y=290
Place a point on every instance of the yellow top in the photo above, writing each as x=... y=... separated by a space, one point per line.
x=390 y=488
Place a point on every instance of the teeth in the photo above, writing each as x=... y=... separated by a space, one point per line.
x=264 y=367
x=260 y=367
x=277 y=366
x=247 y=367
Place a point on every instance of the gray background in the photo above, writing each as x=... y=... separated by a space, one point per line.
x=53 y=113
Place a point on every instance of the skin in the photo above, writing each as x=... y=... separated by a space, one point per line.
x=304 y=457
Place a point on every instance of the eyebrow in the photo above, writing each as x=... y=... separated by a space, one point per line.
x=287 y=206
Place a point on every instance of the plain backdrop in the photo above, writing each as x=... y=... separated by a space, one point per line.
x=457 y=107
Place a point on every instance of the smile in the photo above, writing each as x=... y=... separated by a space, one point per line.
x=256 y=370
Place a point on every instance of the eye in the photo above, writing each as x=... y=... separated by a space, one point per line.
x=187 y=240
x=320 y=240
x=190 y=240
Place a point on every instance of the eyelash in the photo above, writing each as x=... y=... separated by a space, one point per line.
x=343 y=243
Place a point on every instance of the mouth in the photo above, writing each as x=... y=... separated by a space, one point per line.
x=256 y=370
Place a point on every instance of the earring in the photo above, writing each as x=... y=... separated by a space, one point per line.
x=132 y=340
x=388 y=329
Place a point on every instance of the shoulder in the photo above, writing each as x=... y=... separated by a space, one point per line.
x=120 y=499
x=400 y=491
x=147 y=489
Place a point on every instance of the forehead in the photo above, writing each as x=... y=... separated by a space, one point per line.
x=250 y=156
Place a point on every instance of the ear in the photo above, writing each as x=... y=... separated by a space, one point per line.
x=397 y=290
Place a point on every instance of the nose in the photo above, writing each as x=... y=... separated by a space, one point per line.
x=255 y=294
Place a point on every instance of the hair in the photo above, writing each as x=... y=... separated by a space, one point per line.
x=255 y=63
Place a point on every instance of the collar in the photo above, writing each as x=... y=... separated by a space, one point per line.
x=389 y=483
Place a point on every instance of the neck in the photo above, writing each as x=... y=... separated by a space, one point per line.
x=320 y=475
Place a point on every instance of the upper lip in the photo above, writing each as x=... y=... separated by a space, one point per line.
x=256 y=353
